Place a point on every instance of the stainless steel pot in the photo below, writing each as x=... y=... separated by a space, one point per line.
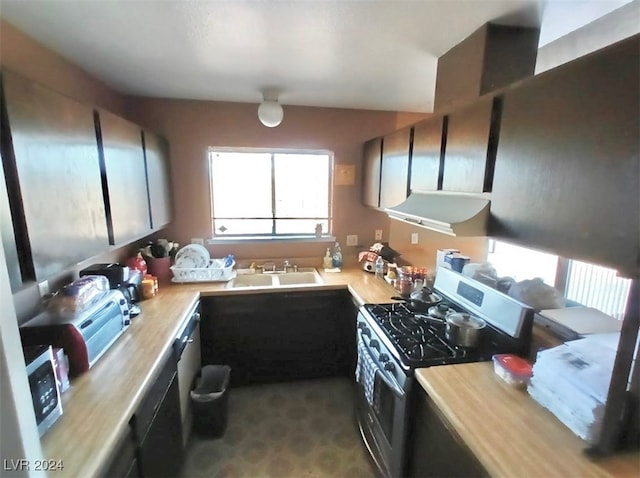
x=463 y=329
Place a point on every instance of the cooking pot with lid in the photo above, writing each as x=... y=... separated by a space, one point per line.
x=463 y=329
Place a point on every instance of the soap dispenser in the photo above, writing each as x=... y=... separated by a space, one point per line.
x=327 y=262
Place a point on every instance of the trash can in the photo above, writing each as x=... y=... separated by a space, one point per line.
x=210 y=400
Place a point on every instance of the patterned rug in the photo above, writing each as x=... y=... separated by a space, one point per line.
x=304 y=429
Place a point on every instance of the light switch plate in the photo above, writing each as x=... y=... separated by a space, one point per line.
x=197 y=240
x=43 y=288
x=414 y=238
x=352 y=240
x=378 y=234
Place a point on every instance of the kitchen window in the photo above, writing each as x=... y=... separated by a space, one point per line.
x=270 y=194
x=580 y=282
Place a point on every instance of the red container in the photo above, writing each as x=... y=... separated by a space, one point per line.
x=160 y=267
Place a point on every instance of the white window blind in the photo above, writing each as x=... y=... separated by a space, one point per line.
x=597 y=287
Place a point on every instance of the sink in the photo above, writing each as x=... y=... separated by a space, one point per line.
x=290 y=278
x=304 y=276
x=251 y=280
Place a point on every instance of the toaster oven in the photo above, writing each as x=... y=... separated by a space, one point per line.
x=45 y=394
x=84 y=337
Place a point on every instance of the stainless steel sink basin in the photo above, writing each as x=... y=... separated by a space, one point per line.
x=305 y=276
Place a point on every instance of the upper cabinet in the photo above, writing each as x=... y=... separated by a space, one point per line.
x=427 y=155
x=471 y=142
x=156 y=152
x=50 y=152
x=127 y=203
x=567 y=168
x=492 y=57
x=394 y=182
x=371 y=163
x=75 y=181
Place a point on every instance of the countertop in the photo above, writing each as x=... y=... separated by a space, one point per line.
x=509 y=433
x=100 y=402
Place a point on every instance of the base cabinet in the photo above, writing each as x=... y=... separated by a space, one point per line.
x=437 y=450
x=124 y=462
x=158 y=426
x=279 y=336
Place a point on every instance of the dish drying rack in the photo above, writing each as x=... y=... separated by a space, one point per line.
x=216 y=271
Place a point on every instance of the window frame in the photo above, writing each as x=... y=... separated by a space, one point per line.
x=269 y=237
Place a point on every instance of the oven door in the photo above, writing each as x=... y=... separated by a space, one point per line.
x=381 y=408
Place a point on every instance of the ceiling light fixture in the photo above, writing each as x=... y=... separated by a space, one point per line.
x=270 y=111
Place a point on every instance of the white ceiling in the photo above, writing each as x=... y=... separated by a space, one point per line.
x=344 y=53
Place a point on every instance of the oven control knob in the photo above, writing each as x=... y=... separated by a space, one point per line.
x=374 y=344
x=383 y=358
x=389 y=367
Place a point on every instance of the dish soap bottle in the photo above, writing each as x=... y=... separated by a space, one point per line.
x=337 y=255
x=327 y=262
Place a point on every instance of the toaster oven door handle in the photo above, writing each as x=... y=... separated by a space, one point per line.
x=385 y=376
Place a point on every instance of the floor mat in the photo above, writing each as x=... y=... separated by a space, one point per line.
x=303 y=429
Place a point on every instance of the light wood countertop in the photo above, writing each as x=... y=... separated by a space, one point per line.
x=99 y=404
x=509 y=433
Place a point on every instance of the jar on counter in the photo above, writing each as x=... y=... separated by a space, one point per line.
x=404 y=282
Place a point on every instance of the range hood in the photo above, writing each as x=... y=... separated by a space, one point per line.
x=455 y=214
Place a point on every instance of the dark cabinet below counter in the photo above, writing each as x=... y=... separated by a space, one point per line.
x=158 y=426
x=568 y=162
x=279 y=336
x=436 y=449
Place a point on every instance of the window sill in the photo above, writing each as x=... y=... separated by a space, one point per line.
x=270 y=239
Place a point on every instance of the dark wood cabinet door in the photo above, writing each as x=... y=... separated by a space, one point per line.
x=8 y=237
x=121 y=146
x=279 y=336
x=371 y=163
x=394 y=182
x=158 y=179
x=467 y=154
x=436 y=448
x=55 y=159
x=426 y=155
x=568 y=163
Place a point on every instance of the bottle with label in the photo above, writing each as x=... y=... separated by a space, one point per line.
x=327 y=262
x=337 y=255
x=380 y=267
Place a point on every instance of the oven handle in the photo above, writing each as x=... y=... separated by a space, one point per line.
x=387 y=378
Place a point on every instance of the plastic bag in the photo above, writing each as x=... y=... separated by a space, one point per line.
x=535 y=293
x=77 y=296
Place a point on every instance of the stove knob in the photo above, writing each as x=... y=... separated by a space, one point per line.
x=389 y=367
x=361 y=325
x=374 y=344
x=366 y=331
x=383 y=358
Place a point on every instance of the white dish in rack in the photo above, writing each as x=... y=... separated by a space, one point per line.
x=192 y=256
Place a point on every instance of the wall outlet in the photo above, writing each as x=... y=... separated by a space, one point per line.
x=197 y=240
x=378 y=236
x=352 y=240
x=43 y=288
x=414 y=238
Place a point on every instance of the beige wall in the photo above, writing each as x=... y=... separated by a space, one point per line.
x=33 y=60
x=193 y=126
x=423 y=253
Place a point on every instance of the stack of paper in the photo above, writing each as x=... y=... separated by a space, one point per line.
x=572 y=381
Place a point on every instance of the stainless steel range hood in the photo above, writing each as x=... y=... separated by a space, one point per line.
x=455 y=214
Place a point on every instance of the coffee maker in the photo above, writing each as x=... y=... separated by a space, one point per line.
x=126 y=280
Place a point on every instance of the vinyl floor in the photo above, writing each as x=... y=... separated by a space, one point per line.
x=303 y=429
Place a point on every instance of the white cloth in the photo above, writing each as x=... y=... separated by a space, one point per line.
x=366 y=372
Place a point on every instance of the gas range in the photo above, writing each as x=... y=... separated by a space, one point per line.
x=417 y=339
x=393 y=340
